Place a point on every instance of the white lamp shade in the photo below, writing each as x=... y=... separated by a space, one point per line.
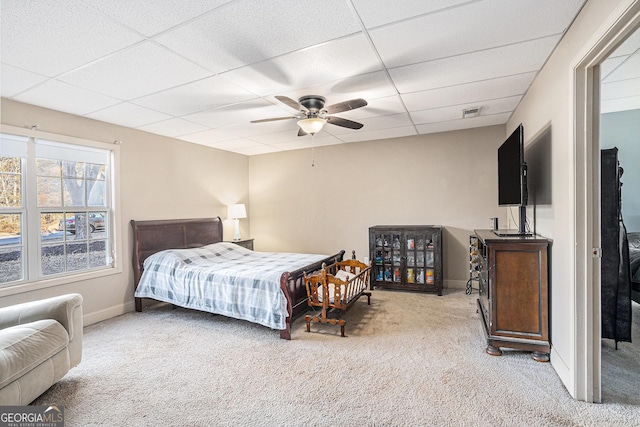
x=236 y=211
x=312 y=125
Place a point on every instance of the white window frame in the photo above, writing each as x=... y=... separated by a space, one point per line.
x=32 y=240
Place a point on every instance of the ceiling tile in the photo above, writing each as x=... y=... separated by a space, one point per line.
x=151 y=17
x=246 y=31
x=211 y=92
x=610 y=65
x=493 y=63
x=207 y=137
x=319 y=140
x=240 y=113
x=478 y=26
x=126 y=114
x=378 y=12
x=126 y=74
x=14 y=80
x=376 y=107
x=620 y=104
x=234 y=144
x=630 y=46
x=317 y=65
x=368 y=86
x=379 y=134
x=58 y=35
x=487 y=108
x=248 y=129
x=480 y=121
x=173 y=127
x=628 y=69
x=202 y=70
x=64 y=97
x=469 y=93
x=258 y=149
x=620 y=89
x=275 y=137
x=372 y=123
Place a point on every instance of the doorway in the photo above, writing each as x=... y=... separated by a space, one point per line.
x=617 y=28
x=620 y=130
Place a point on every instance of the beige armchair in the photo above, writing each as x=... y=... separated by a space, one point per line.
x=39 y=342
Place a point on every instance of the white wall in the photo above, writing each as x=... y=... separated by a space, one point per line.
x=160 y=178
x=448 y=179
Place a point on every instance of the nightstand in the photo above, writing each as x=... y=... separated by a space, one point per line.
x=245 y=243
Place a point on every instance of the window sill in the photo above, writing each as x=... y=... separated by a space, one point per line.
x=20 y=288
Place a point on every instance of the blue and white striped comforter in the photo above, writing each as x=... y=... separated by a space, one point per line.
x=223 y=278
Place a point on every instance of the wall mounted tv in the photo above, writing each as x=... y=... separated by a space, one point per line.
x=512 y=178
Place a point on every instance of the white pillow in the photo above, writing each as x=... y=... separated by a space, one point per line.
x=344 y=275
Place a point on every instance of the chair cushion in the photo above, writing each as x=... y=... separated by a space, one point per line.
x=23 y=347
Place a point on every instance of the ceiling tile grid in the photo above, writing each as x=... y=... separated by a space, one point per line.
x=202 y=70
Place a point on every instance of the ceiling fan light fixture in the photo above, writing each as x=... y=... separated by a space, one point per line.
x=312 y=125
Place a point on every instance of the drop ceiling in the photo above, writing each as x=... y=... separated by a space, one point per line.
x=201 y=70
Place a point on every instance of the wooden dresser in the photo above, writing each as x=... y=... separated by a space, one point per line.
x=514 y=293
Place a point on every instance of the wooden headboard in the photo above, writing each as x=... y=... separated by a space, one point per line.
x=150 y=237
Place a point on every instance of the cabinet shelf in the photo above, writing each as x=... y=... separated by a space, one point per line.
x=406 y=257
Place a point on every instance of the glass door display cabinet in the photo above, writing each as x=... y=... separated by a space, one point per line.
x=406 y=257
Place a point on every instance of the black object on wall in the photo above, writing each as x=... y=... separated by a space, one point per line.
x=538 y=157
x=615 y=271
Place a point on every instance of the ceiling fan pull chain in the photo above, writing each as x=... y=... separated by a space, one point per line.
x=313 y=157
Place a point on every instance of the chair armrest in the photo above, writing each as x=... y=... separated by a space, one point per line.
x=66 y=309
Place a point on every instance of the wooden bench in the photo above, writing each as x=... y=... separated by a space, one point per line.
x=335 y=288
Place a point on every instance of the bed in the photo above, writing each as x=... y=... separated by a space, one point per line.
x=194 y=247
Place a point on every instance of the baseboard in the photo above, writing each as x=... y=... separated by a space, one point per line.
x=454 y=284
x=107 y=313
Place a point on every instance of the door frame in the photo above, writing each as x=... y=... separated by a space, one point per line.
x=586 y=148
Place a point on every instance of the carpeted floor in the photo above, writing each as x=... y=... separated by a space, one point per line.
x=408 y=360
x=621 y=367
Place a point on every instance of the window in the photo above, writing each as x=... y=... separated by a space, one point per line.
x=55 y=209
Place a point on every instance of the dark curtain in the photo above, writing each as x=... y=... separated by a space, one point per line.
x=615 y=273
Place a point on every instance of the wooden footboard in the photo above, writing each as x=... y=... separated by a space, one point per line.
x=292 y=285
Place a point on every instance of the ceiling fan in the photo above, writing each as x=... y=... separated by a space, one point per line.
x=313 y=113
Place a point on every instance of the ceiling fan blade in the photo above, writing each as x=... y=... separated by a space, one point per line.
x=273 y=119
x=301 y=132
x=339 y=121
x=351 y=104
x=291 y=103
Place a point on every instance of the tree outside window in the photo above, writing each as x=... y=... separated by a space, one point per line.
x=71 y=206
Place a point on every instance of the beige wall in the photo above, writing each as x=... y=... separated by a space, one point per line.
x=448 y=179
x=160 y=178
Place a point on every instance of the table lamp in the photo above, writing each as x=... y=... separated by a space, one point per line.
x=236 y=212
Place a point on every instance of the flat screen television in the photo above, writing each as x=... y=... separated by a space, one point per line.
x=512 y=177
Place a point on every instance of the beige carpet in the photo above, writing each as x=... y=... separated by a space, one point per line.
x=409 y=360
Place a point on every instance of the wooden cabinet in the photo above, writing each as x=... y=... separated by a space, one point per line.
x=407 y=257
x=245 y=243
x=514 y=293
